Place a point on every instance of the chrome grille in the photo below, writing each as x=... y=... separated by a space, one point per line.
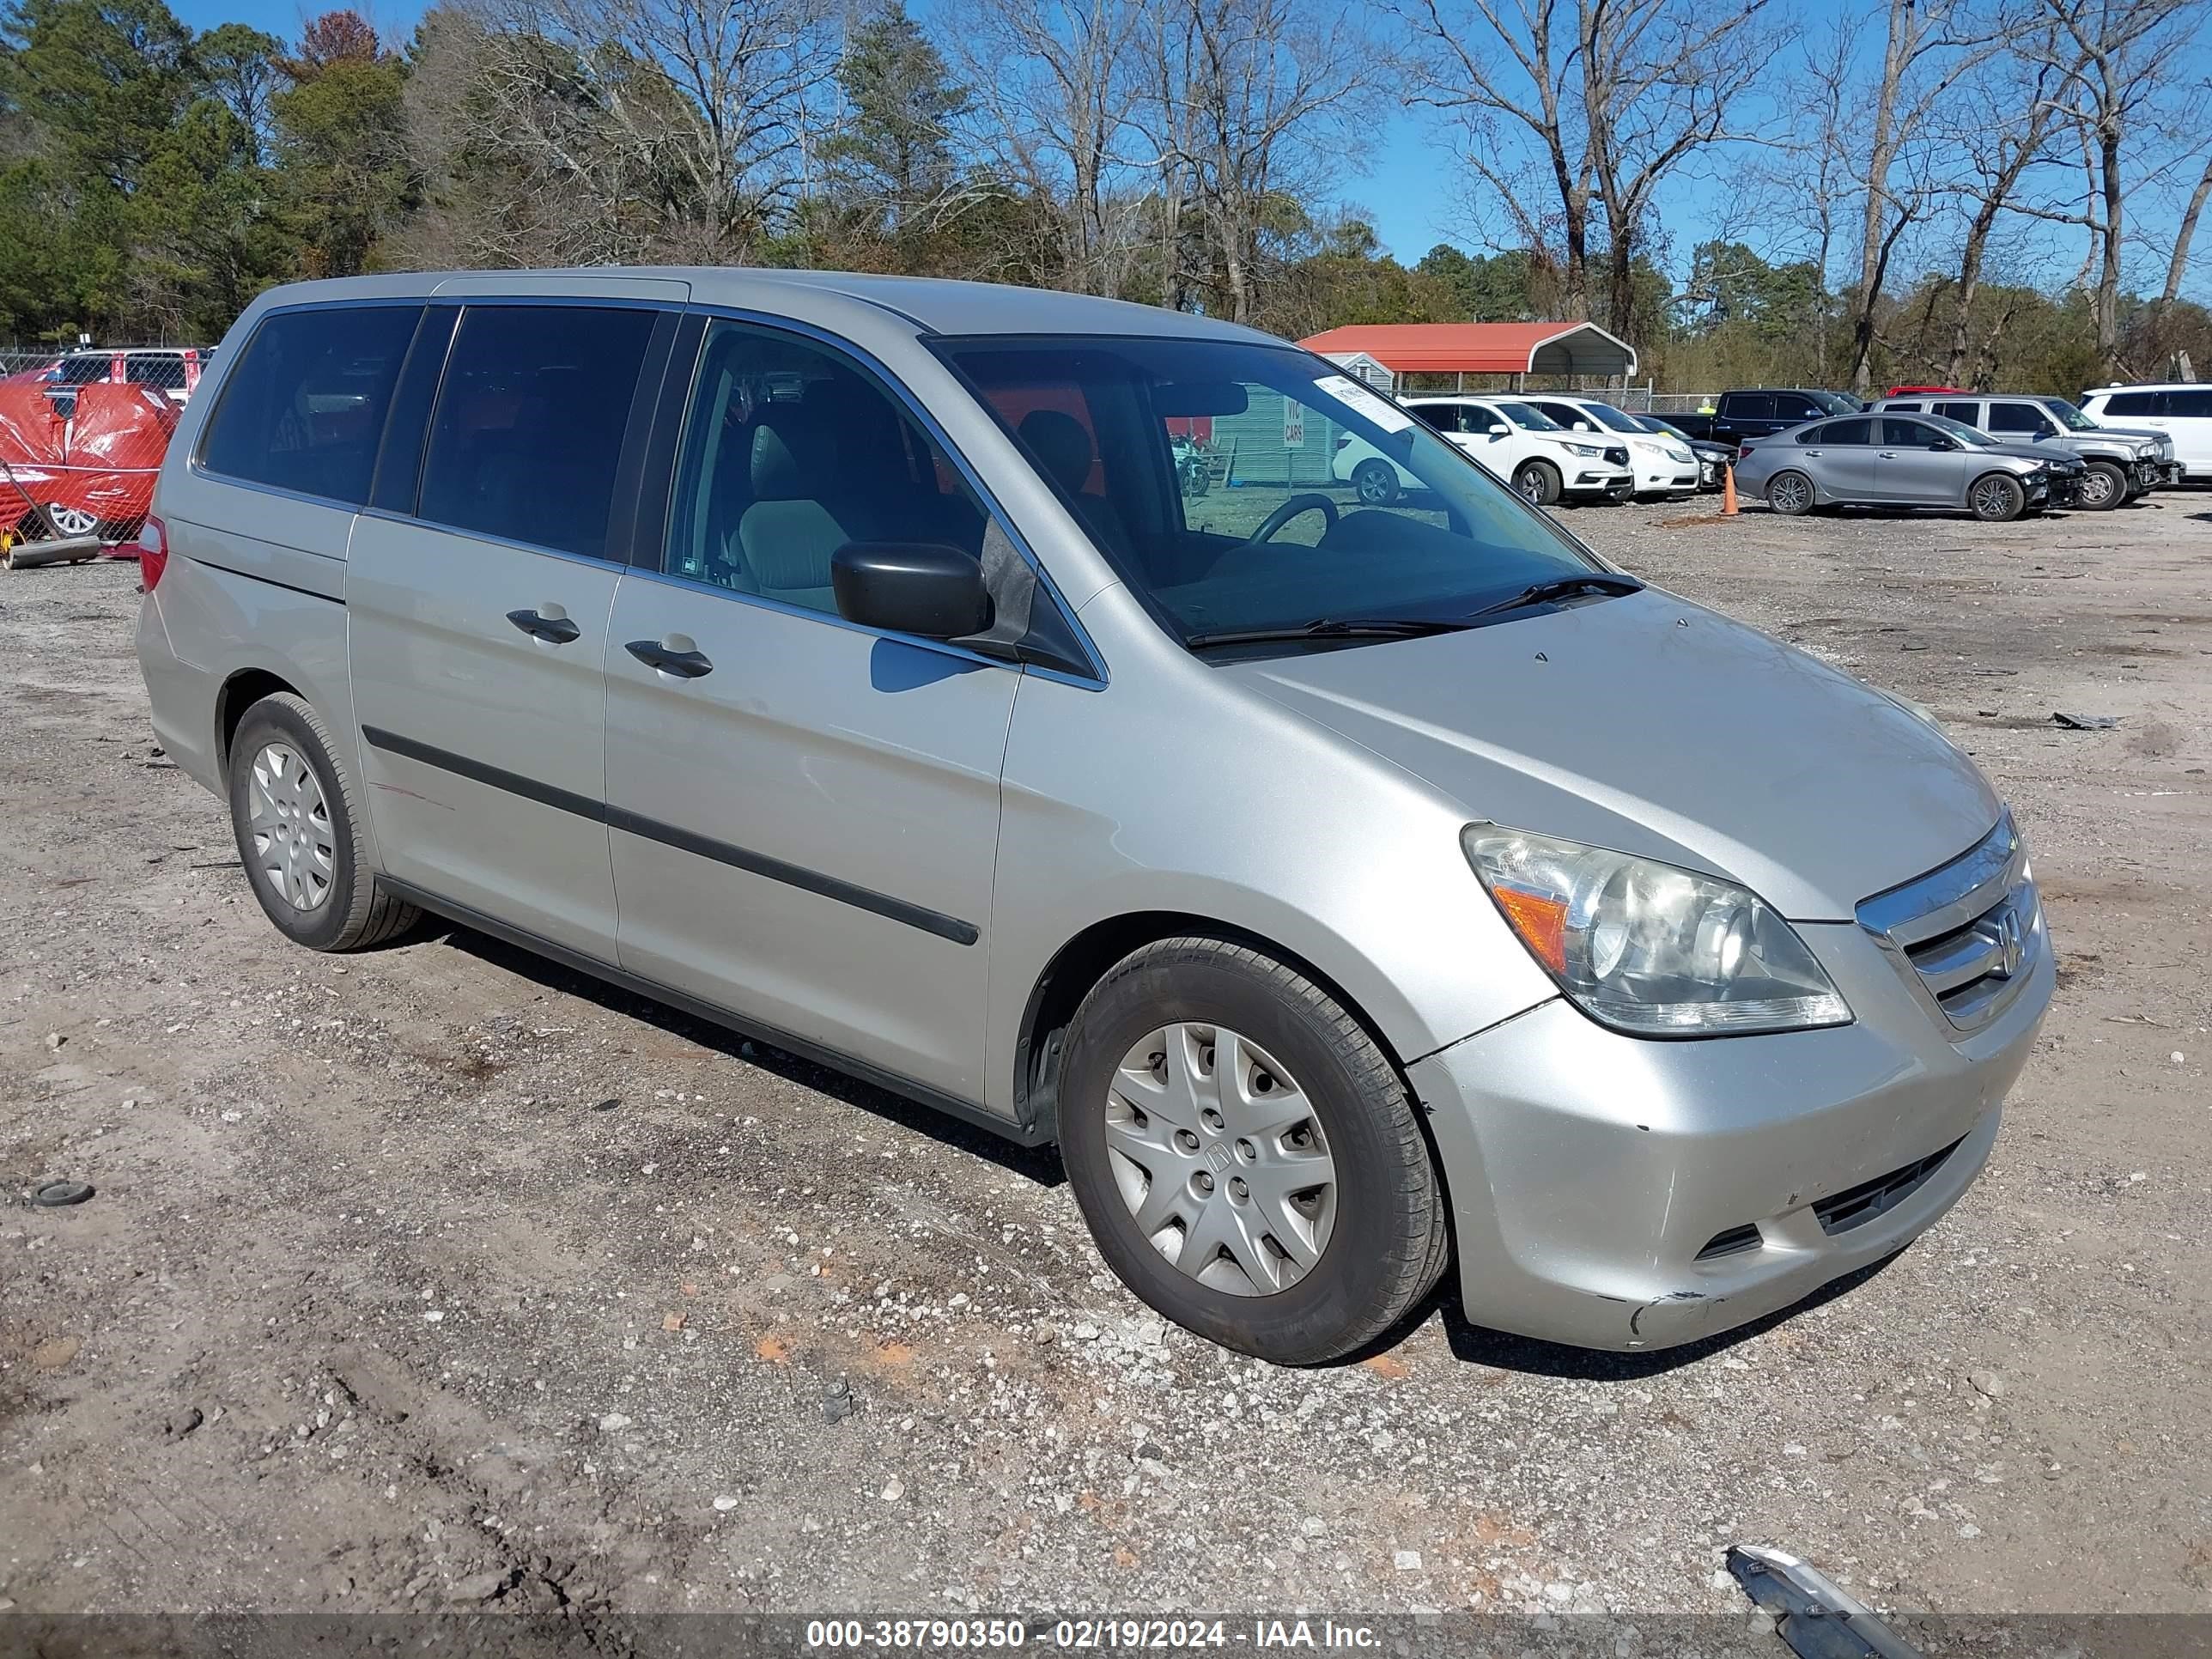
x=1970 y=934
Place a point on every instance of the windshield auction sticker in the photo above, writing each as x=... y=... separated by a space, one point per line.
x=1361 y=402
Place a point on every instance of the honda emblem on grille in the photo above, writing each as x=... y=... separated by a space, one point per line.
x=2011 y=948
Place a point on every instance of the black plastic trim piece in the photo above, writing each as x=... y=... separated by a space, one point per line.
x=266 y=581
x=461 y=766
x=668 y=834
x=398 y=467
x=793 y=875
x=729 y=1019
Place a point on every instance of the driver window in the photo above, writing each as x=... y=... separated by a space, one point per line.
x=1908 y=435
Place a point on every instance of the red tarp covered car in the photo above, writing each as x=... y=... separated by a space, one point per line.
x=93 y=470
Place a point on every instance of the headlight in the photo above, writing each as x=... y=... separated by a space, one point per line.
x=1648 y=948
x=1584 y=449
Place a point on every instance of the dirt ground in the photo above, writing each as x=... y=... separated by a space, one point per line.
x=439 y=1277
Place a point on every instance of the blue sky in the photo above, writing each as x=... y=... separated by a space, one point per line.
x=1406 y=189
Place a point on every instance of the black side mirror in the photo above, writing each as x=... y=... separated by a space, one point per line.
x=924 y=588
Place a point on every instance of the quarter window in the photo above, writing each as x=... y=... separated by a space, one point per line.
x=790 y=452
x=304 y=406
x=529 y=424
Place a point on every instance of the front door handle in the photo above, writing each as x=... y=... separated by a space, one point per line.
x=1886 y=454
x=555 y=630
x=684 y=665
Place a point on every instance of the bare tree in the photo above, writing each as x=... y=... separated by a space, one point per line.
x=2001 y=130
x=1054 y=84
x=1253 y=94
x=1606 y=98
x=2116 y=56
x=2177 y=267
x=1926 y=48
x=672 y=127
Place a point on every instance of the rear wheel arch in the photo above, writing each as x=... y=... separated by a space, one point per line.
x=238 y=694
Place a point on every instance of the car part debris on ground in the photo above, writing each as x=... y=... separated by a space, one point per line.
x=1814 y=1615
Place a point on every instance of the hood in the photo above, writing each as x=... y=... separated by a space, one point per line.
x=2050 y=453
x=2139 y=435
x=1653 y=727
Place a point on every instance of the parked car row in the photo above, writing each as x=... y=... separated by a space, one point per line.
x=1550 y=447
x=1994 y=454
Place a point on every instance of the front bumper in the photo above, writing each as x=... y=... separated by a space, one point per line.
x=1598 y=478
x=1592 y=1174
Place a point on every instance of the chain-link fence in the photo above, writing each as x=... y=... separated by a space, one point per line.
x=82 y=437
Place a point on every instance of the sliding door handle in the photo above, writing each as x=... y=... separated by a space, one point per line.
x=555 y=630
x=684 y=665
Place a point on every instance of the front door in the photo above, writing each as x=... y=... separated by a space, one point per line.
x=804 y=813
x=1913 y=471
x=477 y=611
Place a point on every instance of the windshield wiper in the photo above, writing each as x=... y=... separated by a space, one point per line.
x=1331 y=627
x=1564 y=587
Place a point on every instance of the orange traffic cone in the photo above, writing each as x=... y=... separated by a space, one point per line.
x=1728 y=491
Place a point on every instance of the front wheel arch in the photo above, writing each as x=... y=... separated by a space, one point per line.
x=1078 y=965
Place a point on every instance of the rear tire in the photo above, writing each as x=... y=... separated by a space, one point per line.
x=1311 y=1092
x=1539 y=481
x=296 y=822
x=1997 y=498
x=1789 y=494
x=2104 y=487
x=1376 y=483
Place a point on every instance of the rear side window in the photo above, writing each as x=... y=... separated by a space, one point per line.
x=528 y=430
x=2135 y=403
x=2191 y=405
x=2024 y=418
x=304 y=406
x=1910 y=408
x=1839 y=432
x=1968 y=414
x=87 y=369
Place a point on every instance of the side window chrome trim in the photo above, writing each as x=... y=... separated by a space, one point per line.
x=412 y=522
x=199 y=469
x=904 y=396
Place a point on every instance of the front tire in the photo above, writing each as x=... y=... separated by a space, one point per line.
x=2104 y=487
x=1997 y=498
x=1246 y=1157
x=1376 y=483
x=297 y=826
x=1539 y=481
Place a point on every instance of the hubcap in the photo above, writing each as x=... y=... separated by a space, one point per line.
x=1991 y=499
x=72 y=520
x=1532 y=486
x=290 y=825
x=1790 y=494
x=1218 y=1155
x=2096 y=489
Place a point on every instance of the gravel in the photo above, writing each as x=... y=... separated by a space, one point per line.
x=2010 y=1417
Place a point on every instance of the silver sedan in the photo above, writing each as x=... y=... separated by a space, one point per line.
x=1893 y=460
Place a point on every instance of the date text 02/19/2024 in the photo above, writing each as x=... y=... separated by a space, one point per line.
x=1109 y=1633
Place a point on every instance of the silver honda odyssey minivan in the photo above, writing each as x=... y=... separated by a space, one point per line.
x=993 y=693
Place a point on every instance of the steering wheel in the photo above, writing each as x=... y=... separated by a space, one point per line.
x=1290 y=510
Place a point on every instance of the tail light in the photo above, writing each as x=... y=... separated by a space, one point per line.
x=1743 y=452
x=1343 y=439
x=153 y=553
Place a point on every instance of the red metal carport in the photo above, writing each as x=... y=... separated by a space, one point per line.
x=1569 y=351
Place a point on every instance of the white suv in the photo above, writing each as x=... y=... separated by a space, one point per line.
x=2181 y=411
x=1506 y=437
x=1664 y=465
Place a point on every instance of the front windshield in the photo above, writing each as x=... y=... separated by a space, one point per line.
x=2069 y=417
x=1835 y=403
x=1528 y=416
x=1318 y=501
x=1618 y=419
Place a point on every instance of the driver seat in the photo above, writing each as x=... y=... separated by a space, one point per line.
x=1062 y=447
